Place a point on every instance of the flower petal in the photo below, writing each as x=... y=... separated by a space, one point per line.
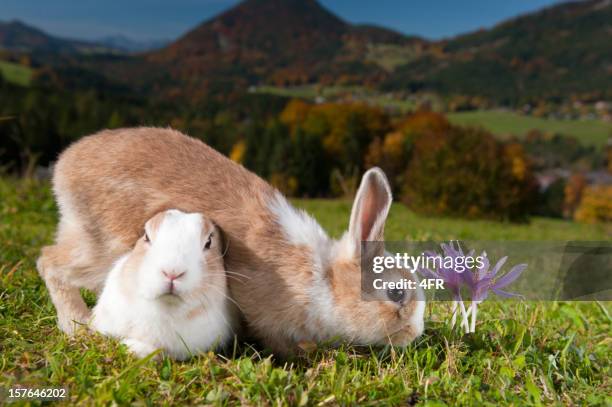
x=469 y=278
x=509 y=277
x=498 y=266
x=448 y=250
x=459 y=251
x=480 y=295
x=506 y=294
x=482 y=271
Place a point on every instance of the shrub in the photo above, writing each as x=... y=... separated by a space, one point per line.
x=573 y=194
x=345 y=130
x=596 y=205
x=466 y=172
x=393 y=152
x=325 y=139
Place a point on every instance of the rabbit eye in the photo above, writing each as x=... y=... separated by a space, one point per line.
x=146 y=238
x=396 y=295
x=208 y=242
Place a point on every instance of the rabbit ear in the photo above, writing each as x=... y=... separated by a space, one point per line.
x=152 y=225
x=223 y=240
x=371 y=207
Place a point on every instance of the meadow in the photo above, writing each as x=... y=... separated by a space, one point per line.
x=504 y=123
x=15 y=73
x=312 y=92
x=521 y=354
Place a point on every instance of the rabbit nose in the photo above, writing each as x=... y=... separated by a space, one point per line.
x=173 y=275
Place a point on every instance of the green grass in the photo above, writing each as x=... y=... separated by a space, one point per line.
x=403 y=224
x=15 y=73
x=390 y=56
x=588 y=132
x=522 y=353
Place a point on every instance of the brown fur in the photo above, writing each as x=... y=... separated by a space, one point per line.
x=109 y=184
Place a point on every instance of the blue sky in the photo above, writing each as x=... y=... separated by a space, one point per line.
x=167 y=19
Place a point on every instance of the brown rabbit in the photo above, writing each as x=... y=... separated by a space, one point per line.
x=291 y=281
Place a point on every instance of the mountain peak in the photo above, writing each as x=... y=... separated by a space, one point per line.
x=16 y=35
x=267 y=23
x=274 y=41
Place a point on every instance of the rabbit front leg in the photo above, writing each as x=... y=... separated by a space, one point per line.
x=139 y=348
x=70 y=307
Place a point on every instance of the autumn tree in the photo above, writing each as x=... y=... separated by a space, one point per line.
x=573 y=194
x=343 y=132
x=393 y=152
x=595 y=205
x=466 y=172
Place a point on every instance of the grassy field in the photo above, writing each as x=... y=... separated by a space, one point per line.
x=403 y=224
x=588 y=132
x=311 y=92
x=15 y=73
x=522 y=353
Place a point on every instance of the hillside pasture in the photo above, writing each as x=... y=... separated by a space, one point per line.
x=16 y=73
x=335 y=93
x=506 y=124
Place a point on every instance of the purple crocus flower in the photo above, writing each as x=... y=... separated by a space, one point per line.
x=482 y=280
x=479 y=282
x=452 y=278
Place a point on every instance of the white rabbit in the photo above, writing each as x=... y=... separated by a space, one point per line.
x=170 y=291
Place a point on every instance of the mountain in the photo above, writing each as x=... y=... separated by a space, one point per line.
x=17 y=36
x=561 y=51
x=283 y=42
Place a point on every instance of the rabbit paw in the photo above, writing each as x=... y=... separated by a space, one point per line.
x=139 y=348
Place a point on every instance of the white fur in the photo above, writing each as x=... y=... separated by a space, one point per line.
x=177 y=247
x=346 y=248
x=302 y=230
x=323 y=309
x=147 y=318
